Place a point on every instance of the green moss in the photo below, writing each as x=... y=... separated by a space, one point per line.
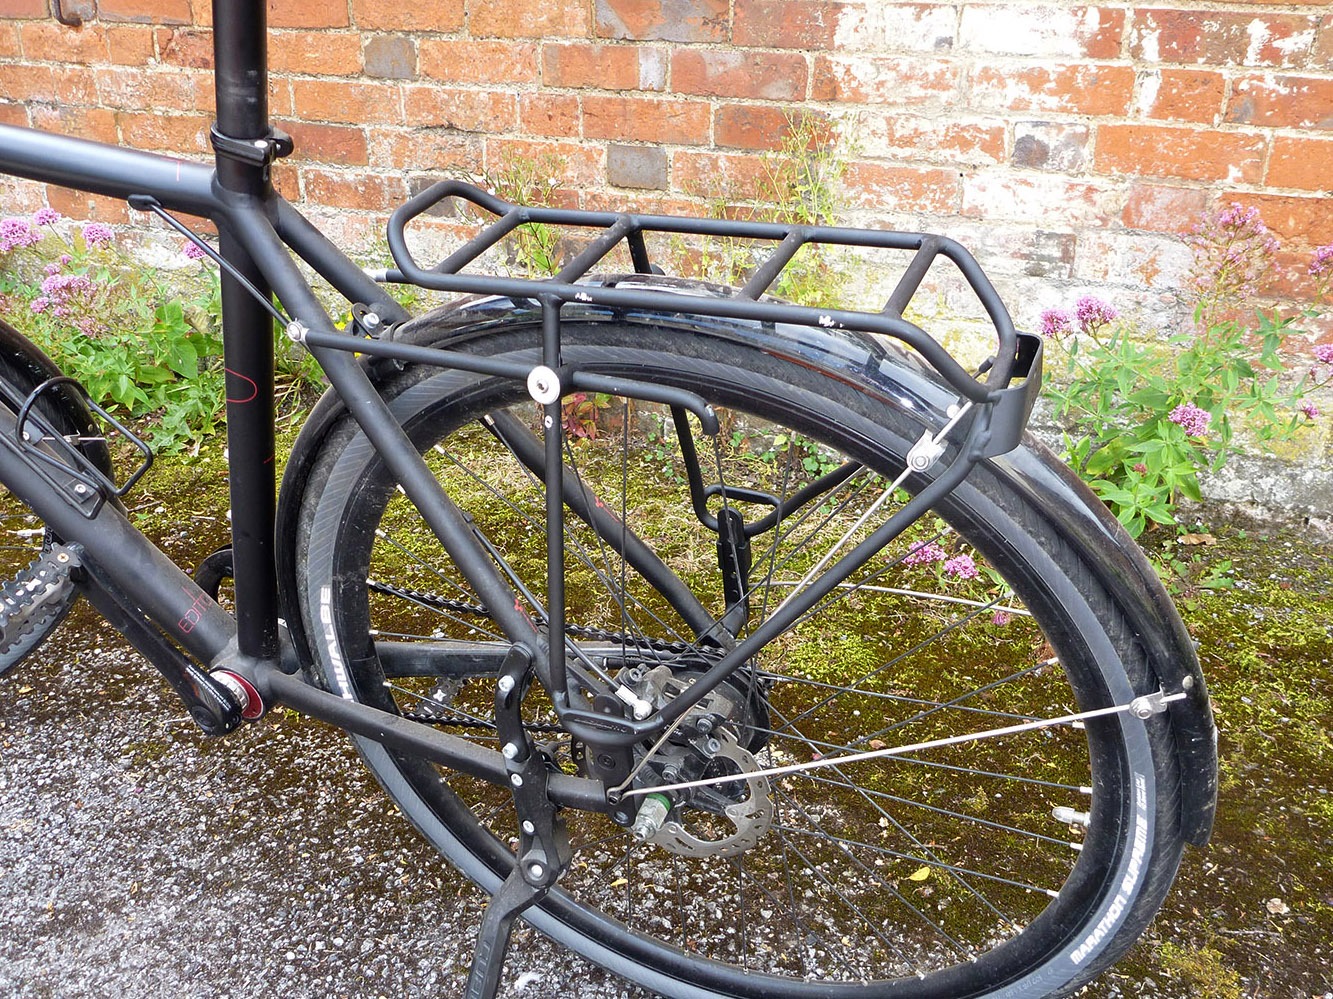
x=1205 y=970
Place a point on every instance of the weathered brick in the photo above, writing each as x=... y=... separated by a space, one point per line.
x=9 y=40
x=542 y=113
x=1282 y=102
x=712 y=175
x=787 y=24
x=1046 y=145
x=881 y=187
x=918 y=138
x=465 y=61
x=145 y=11
x=579 y=165
x=306 y=14
x=903 y=27
x=343 y=144
x=604 y=67
x=1299 y=162
x=24 y=8
x=747 y=126
x=1042 y=31
x=646 y=119
x=1158 y=208
x=352 y=102
x=1132 y=260
x=527 y=19
x=1090 y=89
x=993 y=194
x=395 y=15
x=164 y=132
x=1220 y=38
x=1187 y=153
x=643 y=167
x=91 y=207
x=322 y=53
x=425 y=149
x=893 y=80
x=47 y=84
x=663 y=20
x=98 y=124
x=188 y=47
x=1193 y=95
x=390 y=57
x=1294 y=218
x=49 y=41
x=354 y=189
x=465 y=110
x=1321 y=56
x=730 y=73
x=13 y=114
x=130 y=44
x=137 y=89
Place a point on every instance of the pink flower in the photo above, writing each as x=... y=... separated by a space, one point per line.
x=1056 y=323
x=17 y=233
x=1141 y=468
x=40 y=304
x=1193 y=419
x=95 y=234
x=194 y=251
x=962 y=567
x=52 y=268
x=1093 y=312
x=1323 y=260
x=927 y=554
x=1324 y=353
x=45 y=216
x=1310 y=410
x=1000 y=618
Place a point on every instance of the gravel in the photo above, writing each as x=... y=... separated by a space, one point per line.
x=137 y=857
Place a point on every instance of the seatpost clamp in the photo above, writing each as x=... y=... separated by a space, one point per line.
x=256 y=152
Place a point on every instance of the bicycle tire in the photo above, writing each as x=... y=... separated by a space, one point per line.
x=964 y=931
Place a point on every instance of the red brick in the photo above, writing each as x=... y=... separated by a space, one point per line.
x=426 y=149
x=24 y=8
x=763 y=76
x=905 y=27
x=139 y=90
x=787 y=24
x=319 y=53
x=186 y=47
x=1158 y=208
x=580 y=165
x=549 y=114
x=643 y=203
x=1090 y=89
x=1304 y=220
x=86 y=123
x=9 y=40
x=710 y=175
x=49 y=41
x=929 y=139
x=1218 y=38
x=604 y=67
x=479 y=62
x=1321 y=57
x=1187 y=153
x=89 y=207
x=130 y=44
x=279 y=98
x=1041 y=30
x=53 y=85
x=663 y=20
x=1282 y=101
x=893 y=80
x=879 y=187
x=13 y=114
x=1193 y=95
x=341 y=144
x=347 y=189
x=465 y=110
x=746 y=126
x=145 y=11
x=306 y=14
x=646 y=119
x=526 y=19
x=1299 y=162
x=165 y=132
x=352 y=102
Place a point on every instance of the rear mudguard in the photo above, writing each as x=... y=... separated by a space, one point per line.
x=897 y=376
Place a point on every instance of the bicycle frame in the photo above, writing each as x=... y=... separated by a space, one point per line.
x=257 y=229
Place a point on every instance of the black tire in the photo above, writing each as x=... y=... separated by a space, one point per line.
x=947 y=874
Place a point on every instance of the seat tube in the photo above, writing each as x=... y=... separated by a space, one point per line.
x=240 y=51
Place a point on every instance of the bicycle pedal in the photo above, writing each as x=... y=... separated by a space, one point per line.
x=35 y=595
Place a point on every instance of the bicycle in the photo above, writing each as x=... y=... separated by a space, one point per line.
x=889 y=707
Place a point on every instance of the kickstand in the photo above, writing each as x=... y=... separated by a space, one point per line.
x=488 y=958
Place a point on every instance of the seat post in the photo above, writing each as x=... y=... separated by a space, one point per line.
x=240 y=59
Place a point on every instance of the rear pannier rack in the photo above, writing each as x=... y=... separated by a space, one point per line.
x=1017 y=355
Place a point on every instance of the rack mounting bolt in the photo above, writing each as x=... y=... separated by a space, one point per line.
x=296 y=331
x=543 y=385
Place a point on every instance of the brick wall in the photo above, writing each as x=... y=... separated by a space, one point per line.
x=1068 y=145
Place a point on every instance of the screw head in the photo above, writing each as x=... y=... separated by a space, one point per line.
x=509 y=751
x=536 y=871
x=516 y=780
x=528 y=827
x=506 y=684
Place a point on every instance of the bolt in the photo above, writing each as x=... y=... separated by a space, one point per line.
x=528 y=827
x=371 y=319
x=506 y=684
x=704 y=725
x=80 y=488
x=712 y=746
x=536 y=871
x=516 y=780
x=510 y=751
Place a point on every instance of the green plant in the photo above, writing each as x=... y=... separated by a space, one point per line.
x=533 y=247
x=1144 y=419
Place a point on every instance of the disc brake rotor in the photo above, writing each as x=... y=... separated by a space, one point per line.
x=748 y=818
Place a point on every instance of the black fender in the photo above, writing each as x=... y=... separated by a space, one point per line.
x=27 y=366
x=899 y=377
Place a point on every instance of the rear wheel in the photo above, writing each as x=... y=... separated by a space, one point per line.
x=1019 y=865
